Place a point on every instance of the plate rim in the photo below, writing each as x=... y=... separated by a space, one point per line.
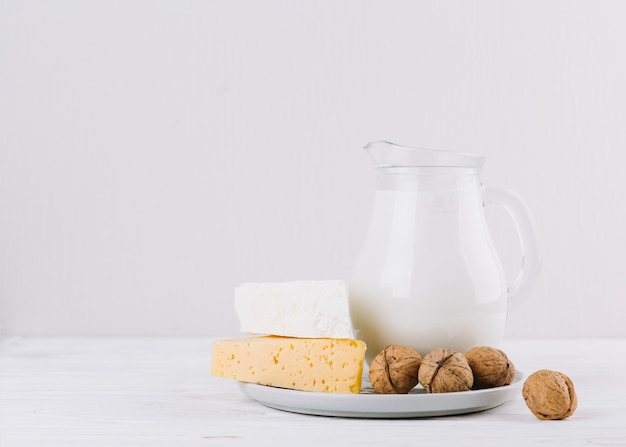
x=411 y=405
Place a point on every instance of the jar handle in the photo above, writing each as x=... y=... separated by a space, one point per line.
x=531 y=262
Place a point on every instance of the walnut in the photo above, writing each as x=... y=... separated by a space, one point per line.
x=444 y=371
x=550 y=395
x=394 y=370
x=490 y=367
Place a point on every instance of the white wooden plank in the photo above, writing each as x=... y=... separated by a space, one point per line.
x=158 y=391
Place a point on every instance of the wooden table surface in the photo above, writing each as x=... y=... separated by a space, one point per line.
x=158 y=392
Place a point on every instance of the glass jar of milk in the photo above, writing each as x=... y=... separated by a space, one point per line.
x=428 y=275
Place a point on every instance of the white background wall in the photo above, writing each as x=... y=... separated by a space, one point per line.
x=154 y=155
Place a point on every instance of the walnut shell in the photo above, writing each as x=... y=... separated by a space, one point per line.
x=444 y=371
x=394 y=370
x=550 y=395
x=490 y=366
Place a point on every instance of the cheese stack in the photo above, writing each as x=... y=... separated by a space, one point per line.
x=307 y=339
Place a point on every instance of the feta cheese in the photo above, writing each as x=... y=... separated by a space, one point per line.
x=307 y=309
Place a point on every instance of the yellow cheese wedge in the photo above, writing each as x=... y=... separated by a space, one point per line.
x=333 y=365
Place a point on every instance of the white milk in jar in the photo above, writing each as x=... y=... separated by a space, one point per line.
x=428 y=276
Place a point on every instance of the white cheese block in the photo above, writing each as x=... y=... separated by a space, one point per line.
x=306 y=309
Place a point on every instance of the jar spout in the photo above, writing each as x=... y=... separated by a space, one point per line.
x=385 y=154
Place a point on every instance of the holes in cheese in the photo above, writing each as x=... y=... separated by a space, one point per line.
x=308 y=364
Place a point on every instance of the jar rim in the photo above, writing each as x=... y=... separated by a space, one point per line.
x=385 y=154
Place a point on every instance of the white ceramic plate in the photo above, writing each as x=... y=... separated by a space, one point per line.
x=370 y=404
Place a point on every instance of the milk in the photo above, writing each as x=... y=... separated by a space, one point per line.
x=428 y=276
